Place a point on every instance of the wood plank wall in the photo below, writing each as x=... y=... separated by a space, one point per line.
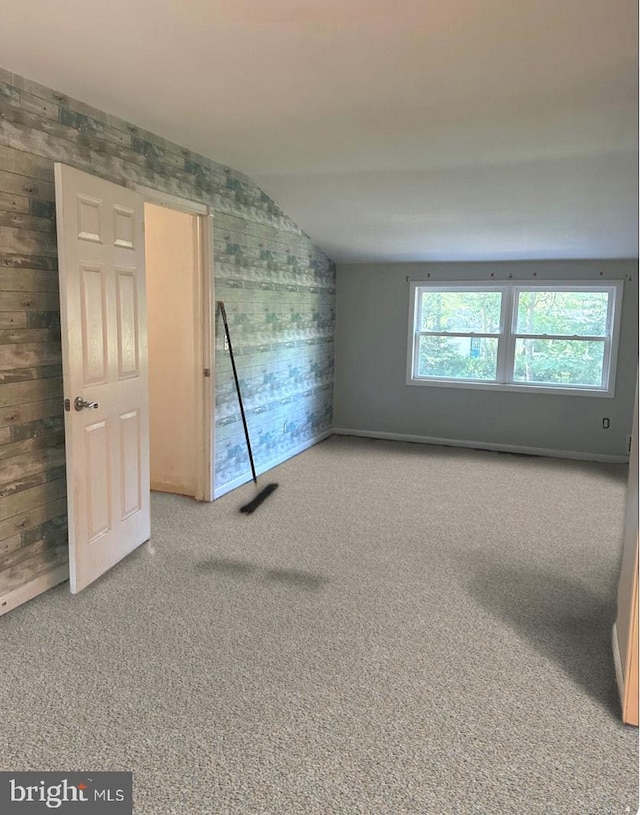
x=33 y=525
x=260 y=253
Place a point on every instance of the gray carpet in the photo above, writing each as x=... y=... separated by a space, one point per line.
x=398 y=629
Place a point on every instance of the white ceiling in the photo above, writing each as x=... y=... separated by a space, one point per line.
x=387 y=129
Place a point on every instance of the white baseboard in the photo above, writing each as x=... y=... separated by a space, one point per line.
x=218 y=492
x=478 y=445
x=33 y=588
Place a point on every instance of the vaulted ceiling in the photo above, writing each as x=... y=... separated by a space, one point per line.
x=387 y=129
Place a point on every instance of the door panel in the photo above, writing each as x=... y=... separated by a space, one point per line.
x=127 y=303
x=131 y=475
x=95 y=340
x=97 y=463
x=89 y=218
x=103 y=313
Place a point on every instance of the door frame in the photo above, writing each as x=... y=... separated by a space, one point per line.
x=205 y=352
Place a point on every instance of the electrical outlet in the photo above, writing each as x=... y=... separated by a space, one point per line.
x=606 y=424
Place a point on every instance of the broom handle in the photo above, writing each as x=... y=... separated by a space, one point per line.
x=235 y=376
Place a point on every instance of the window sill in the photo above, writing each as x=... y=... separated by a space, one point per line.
x=514 y=388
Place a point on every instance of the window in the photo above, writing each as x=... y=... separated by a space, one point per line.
x=515 y=336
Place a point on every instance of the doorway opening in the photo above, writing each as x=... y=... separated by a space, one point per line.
x=179 y=297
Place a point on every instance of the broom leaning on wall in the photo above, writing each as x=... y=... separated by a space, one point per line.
x=266 y=492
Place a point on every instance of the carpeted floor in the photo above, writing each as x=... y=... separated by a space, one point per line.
x=398 y=629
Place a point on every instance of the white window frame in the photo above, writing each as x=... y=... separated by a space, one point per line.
x=507 y=335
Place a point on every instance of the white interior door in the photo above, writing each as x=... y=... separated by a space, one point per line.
x=104 y=348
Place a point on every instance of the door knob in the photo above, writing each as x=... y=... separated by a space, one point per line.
x=80 y=403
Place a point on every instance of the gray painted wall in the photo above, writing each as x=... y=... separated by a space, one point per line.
x=371 y=352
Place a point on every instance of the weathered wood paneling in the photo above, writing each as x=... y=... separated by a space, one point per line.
x=28 y=335
x=28 y=464
x=19 y=221
x=17 y=161
x=40 y=106
x=22 y=553
x=38 y=427
x=17 y=576
x=9 y=93
x=12 y=279
x=12 y=528
x=28 y=445
x=35 y=372
x=28 y=301
x=19 y=394
x=13 y=319
x=25 y=482
x=13 y=203
x=10 y=544
x=19 y=241
x=20 y=261
x=27 y=354
x=20 y=185
x=29 y=499
x=43 y=319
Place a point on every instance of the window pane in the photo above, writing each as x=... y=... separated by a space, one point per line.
x=461 y=311
x=559 y=362
x=457 y=357
x=563 y=312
